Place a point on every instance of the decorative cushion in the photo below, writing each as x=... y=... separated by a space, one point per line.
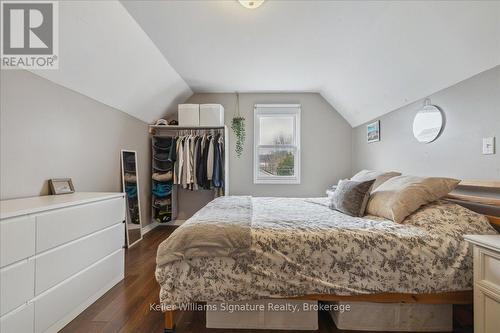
x=350 y=197
x=400 y=196
x=379 y=176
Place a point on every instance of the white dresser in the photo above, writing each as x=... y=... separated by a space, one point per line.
x=486 y=282
x=58 y=254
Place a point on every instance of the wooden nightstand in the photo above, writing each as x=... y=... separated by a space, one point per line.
x=486 y=282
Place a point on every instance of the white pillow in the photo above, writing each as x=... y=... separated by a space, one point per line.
x=379 y=176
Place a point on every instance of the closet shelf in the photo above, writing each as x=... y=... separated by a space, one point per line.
x=153 y=128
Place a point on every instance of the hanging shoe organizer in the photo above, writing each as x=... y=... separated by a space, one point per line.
x=162 y=180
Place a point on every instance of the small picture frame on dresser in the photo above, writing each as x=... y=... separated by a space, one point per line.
x=61 y=186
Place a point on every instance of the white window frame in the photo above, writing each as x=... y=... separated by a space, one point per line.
x=270 y=110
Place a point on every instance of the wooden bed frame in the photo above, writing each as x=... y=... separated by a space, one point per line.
x=456 y=297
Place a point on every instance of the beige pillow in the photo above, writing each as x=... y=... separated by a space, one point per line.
x=400 y=196
x=379 y=176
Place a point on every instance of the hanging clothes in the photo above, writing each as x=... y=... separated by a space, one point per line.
x=199 y=161
x=218 y=169
x=186 y=171
x=178 y=167
x=172 y=154
x=191 y=162
x=204 y=179
x=210 y=159
x=195 y=162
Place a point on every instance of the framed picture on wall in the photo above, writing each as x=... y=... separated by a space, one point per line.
x=61 y=186
x=373 y=132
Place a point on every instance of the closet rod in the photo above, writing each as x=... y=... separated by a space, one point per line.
x=155 y=128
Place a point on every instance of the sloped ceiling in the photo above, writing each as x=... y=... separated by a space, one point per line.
x=366 y=58
x=105 y=55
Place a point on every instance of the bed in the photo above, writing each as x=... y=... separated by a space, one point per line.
x=244 y=248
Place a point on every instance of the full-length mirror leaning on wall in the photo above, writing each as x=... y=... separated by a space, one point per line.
x=130 y=183
x=428 y=123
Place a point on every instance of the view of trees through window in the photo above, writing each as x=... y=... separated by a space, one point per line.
x=277 y=161
x=277 y=154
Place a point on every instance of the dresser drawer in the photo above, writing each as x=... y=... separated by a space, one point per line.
x=491 y=315
x=486 y=310
x=491 y=269
x=487 y=272
x=18 y=321
x=61 y=226
x=16 y=285
x=76 y=293
x=17 y=239
x=76 y=256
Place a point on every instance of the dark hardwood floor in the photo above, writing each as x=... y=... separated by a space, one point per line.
x=126 y=307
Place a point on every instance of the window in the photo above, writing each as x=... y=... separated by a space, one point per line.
x=276 y=144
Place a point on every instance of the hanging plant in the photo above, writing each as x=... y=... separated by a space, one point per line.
x=238 y=127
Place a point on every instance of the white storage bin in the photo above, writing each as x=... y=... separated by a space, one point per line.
x=403 y=317
x=211 y=115
x=263 y=314
x=189 y=114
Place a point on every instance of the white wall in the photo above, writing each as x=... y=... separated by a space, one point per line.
x=325 y=143
x=472 y=111
x=325 y=148
x=114 y=63
x=48 y=131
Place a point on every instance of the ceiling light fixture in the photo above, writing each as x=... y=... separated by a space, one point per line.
x=251 y=4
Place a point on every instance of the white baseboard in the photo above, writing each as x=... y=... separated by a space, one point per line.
x=150 y=227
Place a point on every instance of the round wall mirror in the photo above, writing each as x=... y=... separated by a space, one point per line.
x=428 y=123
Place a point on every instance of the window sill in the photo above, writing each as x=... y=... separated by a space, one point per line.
x=276 y=181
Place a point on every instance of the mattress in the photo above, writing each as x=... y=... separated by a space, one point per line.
x=299 y=246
